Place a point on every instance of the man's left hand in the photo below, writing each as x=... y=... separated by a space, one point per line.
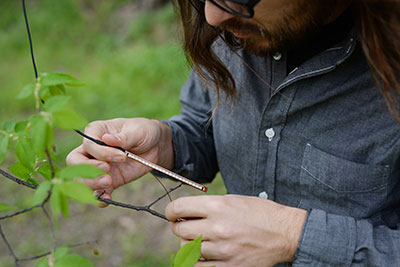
x=238 y=230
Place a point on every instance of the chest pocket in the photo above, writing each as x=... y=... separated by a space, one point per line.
x=340 y=186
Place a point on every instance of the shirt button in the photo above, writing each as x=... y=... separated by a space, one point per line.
x=277 y=56
x=263 y=195
x=270 y=133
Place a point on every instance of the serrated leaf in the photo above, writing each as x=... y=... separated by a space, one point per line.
x=73 y=260
x=26 y=91
x=68 y=119
x=78 y=191
x=3 y=146
x=41 y=192
x=55 y=103
x=61 y=252
x=49 y=79
x=4 y=207
x=9 y=126
x=43 y=262
x=188 y=254
x=80 y=171
x=25 y=153
x=20 y=171
x=38 y=133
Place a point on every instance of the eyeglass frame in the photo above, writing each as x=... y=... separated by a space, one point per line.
x=249 y=5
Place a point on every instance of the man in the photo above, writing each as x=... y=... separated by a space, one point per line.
x=281 y=102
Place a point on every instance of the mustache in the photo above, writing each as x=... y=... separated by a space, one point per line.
x=240 y=27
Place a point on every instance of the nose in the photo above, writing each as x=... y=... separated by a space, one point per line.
x=214 y=15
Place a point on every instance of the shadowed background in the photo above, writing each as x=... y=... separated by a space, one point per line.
x=128 y=55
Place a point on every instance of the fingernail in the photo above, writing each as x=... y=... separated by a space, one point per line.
x=104 y=181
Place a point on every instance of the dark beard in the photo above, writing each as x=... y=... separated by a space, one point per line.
x=304 y=20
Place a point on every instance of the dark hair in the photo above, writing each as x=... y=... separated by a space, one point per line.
x=378 y=25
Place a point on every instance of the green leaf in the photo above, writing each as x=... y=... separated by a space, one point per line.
x=9 y=126
x=20 y=171
x=57 y=90
x=43 y=262
x=4 y=207
x=25 y=153
x=26 y=91
x=78 y=191
x=60 y=252
x=189 y=254
x=3 y=147
x=38 y=133
x=58 y=202
x=32 y=181
x=44 y=93
x=41 y=192
x=50 y=138
x=55 y=103
x=80 y=171
x=45 y=171
x=20 y=127
x=68 y=119
x=48 y=79
x=73 y=260
x=171 y=259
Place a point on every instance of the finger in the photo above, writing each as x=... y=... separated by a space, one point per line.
x=103 y=195
x=191 y=229
x=79 y=156
x=205 y=263
x=101 y=183
x=103 y=153
x=187 y=207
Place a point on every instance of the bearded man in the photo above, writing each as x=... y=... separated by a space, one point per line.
x=294 y=102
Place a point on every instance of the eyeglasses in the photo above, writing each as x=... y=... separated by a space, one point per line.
x=240 y=8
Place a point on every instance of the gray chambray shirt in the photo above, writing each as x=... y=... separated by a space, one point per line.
x=322 y=140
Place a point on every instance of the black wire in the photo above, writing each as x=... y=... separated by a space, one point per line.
x=30 y=39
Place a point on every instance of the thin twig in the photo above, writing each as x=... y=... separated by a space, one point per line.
x=17 y=180
x=129 y=206
x=53 y=236
x=49 y=252
x=20 y=212
x=167 y=193
x=9 y=247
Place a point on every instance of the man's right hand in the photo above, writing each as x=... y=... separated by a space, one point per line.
x=146 y=138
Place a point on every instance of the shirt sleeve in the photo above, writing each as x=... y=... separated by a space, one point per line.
x=193 y=140
x=334 y=240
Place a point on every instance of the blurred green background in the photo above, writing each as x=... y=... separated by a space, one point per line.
x=128 y=55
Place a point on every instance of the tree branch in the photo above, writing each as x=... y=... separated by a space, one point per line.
x=17 y=180
x=9 y=247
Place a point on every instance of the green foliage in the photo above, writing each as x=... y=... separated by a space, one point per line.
x=4 y=207
x=188 y=255
x=61 y=258
x=80 y=171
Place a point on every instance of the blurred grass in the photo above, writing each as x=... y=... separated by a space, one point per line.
x=133 y=66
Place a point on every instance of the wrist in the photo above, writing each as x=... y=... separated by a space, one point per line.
x=297 y=221
x=166 y=155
